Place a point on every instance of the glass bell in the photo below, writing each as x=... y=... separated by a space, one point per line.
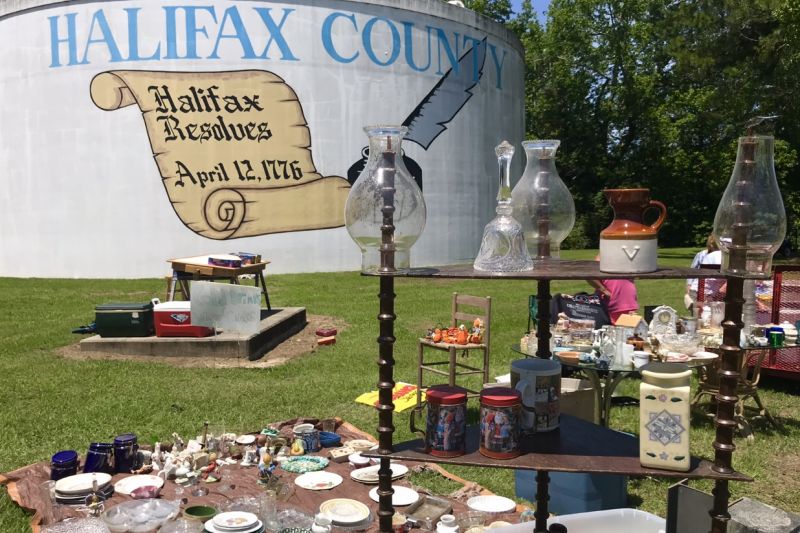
x=750 y=223
x=503 y=246
x=385 y=211
x=542 y=203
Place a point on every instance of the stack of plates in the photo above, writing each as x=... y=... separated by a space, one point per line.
x=369 y=475
x=234 y=522
x=73 y=490
x=346 y=513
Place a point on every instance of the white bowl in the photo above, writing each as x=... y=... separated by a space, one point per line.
x=358 y=460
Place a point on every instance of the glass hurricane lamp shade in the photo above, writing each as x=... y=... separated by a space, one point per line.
x=503 y=246
x=541 y=201
x=750 y=223
x=385 y=210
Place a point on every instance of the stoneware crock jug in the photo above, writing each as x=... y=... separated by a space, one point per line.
x=628 y=245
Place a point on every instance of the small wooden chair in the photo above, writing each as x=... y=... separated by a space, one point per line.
x=747 y=387
x=483 y=306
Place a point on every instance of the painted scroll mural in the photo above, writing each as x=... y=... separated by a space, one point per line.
x=233 y=150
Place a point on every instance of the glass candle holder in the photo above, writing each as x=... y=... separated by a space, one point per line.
x=385 y=210
x=542 y=203
x=750 y=223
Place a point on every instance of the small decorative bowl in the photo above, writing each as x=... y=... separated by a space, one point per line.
x=676 y=357
x=569 y=356
x=199 y=512
x=147 y=491
x=472 y=521
x=303 y=464
x=358 y=460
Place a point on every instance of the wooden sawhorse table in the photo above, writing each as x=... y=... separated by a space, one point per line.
x=197 y=268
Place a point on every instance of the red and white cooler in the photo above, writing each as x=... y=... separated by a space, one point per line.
x=174 y=319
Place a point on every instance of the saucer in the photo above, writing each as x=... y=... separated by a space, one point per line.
x=318 y=480
x=211 y=528
x=344 y=511
x=402 y=496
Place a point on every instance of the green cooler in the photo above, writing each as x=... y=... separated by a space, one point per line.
x=125 y=320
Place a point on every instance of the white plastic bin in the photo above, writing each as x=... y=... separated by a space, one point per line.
x=576 y=492
x=610 y=521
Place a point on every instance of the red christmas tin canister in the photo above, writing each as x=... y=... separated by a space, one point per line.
x=446 y=421
x=499 y=422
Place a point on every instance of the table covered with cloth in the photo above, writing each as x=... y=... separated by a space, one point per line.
x=23 y=484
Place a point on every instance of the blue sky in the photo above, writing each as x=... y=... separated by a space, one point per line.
x=539 y=5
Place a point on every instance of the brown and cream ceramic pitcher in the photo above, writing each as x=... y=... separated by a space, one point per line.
x=628 y=245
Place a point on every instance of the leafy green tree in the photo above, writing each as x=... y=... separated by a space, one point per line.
x=499 y=10
x=655 y=94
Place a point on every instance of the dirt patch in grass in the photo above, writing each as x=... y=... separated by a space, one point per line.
x=304 y=342
x=785 y=469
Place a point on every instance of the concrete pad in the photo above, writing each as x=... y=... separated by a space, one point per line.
x=277 y=325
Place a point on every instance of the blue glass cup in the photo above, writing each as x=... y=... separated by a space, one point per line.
x=63 y=464
x=99 y=458
x=125 y=453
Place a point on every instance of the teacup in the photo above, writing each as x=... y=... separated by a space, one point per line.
x=640 y=359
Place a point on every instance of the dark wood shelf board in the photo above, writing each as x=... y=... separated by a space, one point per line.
x=551 y=270
x=576 y=446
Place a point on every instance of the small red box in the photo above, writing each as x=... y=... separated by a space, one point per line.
x=326 y=341
x=326 y=331
x=174 y=319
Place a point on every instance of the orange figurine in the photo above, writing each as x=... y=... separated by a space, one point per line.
x=462 y=337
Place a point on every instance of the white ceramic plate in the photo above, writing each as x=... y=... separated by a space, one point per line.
x=360 y=445
x=245 y=439
x=81 y=483
x=131 y=483
x=234 y=521
x=492 y=504
x=402 y=496
x=369 y=475
x=344 y=511
x=211 y=528
x=318 y=480
x=704 y=355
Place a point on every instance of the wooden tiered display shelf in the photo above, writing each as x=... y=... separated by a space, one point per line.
x=577 y=446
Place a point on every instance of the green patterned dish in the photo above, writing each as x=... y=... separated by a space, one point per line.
x=303 y=464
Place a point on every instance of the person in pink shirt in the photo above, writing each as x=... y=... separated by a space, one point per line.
x=618 y=295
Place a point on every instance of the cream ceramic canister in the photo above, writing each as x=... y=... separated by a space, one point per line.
x=628 y=245
x=664 y=396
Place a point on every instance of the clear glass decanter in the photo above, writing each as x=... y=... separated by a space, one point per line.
x=542 y=203
x=385 y=209
x=750 y=223
x=503 y=246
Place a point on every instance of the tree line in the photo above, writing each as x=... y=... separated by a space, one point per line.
x=655 y=93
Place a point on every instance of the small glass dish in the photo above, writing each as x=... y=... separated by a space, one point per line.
x=471 y=521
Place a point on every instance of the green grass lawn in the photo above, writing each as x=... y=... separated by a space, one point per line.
x=50 y=403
